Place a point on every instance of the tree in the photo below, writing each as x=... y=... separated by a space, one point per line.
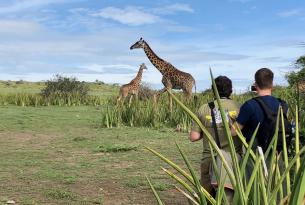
x=296 y=77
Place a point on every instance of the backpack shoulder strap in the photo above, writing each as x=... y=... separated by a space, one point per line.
x=283 y=104
x=266 y=109
x=212 y=106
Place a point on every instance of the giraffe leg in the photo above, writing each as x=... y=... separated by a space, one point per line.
x=156 y=96
x=169 y=97
x=137 y=96
x=130 y=100
x=160 y=92
x=155 y=102
x=188 y=94
x=170 y=103
x=120 y=100
x=168 y=87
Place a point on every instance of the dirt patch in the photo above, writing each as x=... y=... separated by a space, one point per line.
x=114 y=193
x=27 y=140
x=16 y=137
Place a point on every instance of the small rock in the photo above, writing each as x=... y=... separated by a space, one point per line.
x=10 y=202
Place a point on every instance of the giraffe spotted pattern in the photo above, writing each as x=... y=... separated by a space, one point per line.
x=132 y=87
x=172 y=78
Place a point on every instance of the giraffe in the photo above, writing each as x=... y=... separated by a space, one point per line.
x=132 y=87
x=172 y=78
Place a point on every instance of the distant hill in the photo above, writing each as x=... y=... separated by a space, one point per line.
x=96 y=88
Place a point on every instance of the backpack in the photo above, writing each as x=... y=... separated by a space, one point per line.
x=266 y=130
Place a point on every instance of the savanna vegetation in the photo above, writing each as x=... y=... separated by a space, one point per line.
x=67 y=142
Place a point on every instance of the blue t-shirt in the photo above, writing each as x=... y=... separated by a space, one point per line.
x=251 y=114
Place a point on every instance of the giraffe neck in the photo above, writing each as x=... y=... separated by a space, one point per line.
x=154 y=59
x=138 y=77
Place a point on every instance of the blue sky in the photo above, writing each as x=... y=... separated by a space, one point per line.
x=90 y=39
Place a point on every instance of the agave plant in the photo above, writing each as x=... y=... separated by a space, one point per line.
x=269 y=182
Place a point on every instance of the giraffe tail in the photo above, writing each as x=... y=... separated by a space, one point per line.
x=195 y=96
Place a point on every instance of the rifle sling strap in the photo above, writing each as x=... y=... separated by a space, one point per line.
x=212 y=106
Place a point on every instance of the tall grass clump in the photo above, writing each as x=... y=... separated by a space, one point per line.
x=36 y=99
x=21 y=99
x=65 y=91
x=268 y=182
x=144 y=113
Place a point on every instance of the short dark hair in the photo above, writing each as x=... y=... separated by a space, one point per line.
x=264 y=78
x=224 y=86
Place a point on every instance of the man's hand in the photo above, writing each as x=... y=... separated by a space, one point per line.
x=195 y=136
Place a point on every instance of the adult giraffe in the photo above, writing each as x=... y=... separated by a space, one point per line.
x=172 y=78
x=132 y=87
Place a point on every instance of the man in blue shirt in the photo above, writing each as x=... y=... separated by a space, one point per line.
x=251 y=113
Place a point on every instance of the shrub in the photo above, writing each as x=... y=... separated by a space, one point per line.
x=19 y=82
x=99 y=82
x=8 y=83
x=65 y=88
x=145 y=92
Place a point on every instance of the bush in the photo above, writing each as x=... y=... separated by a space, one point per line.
x=8 y=83
x=65 y=88
x=19 y=82
x=145 y=92
x=99 y=82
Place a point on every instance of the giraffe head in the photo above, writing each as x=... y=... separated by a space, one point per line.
x=139 y=44
x=143 y=66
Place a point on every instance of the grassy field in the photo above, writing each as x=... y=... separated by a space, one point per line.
x=67 y=155
x=61 y=155
x=13 y=87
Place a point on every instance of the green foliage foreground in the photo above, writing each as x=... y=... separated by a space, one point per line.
x=272 y=186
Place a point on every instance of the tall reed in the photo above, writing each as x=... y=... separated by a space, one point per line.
x=259 y=187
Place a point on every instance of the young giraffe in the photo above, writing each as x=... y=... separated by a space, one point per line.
x=132 y=87
x=172 y=77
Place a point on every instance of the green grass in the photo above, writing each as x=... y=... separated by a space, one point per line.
x=65 y=155
x=24 y=93
x=60 y=194
x=12 y=87
x=116 y=148
x=7 y=87
x=48 y=155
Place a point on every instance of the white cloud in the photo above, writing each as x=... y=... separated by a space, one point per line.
x=110 y=68
x=130 y=15
x=173 y=8
x=289 y=13
x=20 y=5
x=104 y=53
x=180 y=7
x=136 y=16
